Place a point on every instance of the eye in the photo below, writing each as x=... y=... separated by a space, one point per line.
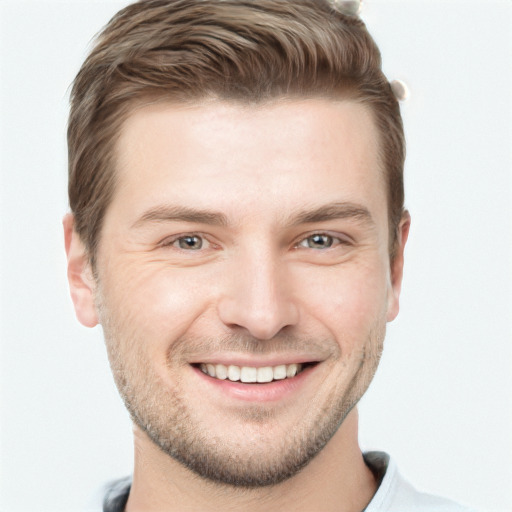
x=318 y=241
x=188 y=242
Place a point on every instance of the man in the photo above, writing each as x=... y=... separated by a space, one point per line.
x=238 y=230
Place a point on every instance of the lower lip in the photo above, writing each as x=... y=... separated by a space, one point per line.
x=263 y=392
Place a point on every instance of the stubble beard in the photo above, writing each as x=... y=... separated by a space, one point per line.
x=163 y=415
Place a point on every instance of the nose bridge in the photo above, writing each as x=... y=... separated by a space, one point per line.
x=257 y=296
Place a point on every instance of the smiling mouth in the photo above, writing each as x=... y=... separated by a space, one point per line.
x=251 y=374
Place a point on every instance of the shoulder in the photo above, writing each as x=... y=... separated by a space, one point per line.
x=396 y=494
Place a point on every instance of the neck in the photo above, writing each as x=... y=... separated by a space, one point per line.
x=337 y=479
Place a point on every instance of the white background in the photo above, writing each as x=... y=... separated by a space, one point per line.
x=441 y=401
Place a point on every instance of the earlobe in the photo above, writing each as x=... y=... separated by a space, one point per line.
x=80 y=277
x=397 y=267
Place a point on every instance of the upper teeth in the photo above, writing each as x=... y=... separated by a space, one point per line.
x=250 y=374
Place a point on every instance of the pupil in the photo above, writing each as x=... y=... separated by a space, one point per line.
x=190 y=242
x=321 y=241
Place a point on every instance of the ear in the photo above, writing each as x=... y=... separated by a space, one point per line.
x=80 y=277
x=397 y=267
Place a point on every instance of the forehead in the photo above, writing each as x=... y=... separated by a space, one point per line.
x=273 y=155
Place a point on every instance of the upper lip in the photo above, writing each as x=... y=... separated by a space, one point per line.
x=255 y=361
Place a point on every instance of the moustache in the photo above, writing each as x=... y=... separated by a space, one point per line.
x=191 y=348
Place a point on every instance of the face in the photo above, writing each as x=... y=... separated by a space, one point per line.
x=244 y=281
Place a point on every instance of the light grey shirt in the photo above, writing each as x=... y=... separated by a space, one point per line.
x=394 y=494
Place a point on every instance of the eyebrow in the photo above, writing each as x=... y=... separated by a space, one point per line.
x=169 y=213
x=333 y=211
x=330 y=211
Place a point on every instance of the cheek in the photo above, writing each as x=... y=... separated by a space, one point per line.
x=351 y=301
x=154 y=302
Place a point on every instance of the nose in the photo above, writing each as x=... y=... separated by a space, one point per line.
x=257 y=297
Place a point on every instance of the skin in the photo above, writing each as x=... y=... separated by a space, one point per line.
x=260 y=290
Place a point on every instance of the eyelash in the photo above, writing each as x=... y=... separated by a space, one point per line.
x=169 y=242
x=335 y=241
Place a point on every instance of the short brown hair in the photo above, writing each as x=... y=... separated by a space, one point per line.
x=238 y=50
